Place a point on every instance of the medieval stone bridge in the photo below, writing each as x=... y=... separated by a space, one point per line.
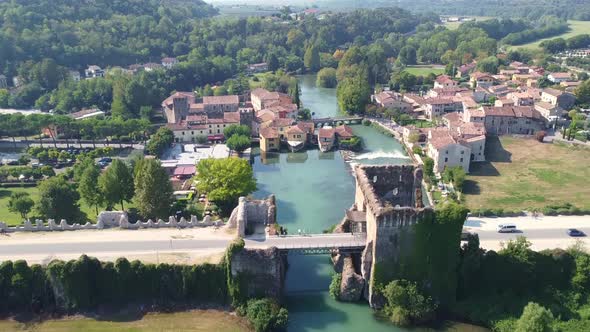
x=310 y=244
x=342 y=119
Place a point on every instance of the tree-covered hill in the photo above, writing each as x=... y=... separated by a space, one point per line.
x=80 y=32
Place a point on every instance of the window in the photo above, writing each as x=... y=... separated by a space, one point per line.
x=218 y=131
x=447 y=152
x=461 y=159
x=481 y=147
x=183 y=133
x=192 y=132
x=462 y=152
x=446 y=159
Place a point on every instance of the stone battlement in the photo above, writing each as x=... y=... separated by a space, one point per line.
x=107 y=220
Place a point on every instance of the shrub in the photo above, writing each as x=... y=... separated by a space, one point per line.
x=335 y=286
x=266 y=315
x=366 y=123
x=405 y=303
x=540 y=135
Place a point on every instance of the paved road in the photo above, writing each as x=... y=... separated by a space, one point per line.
x=11 y=250
x=532 y=234
x=89 y=248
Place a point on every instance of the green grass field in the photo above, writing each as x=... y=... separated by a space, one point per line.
x=15 y=219
x=576 y=28
x=191 y=321
x=524 y=174
x=424 y=71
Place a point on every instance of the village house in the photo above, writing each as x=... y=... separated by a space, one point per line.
x=392 y=100
x=94 y=71
x=436 y=107
x=262 y=98
x=445 y=92
x=86 y=113
x=269 y=139
x=465 y=70
x=446 y=151
x=150 y=66
x=563 y=100
x=169 y=62
x=471 y=134
x=444 y=82
x=217 y=105
x=299 y=135
x=257 y=68
x=326 y=138
x=521 y=98
x=512 y=120
x=559 y=77
x=479 y=79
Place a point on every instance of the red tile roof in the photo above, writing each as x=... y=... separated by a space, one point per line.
x=326 y=132
x=269 y=133
x=221 y=100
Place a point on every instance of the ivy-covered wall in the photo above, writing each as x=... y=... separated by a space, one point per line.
x=426 y=252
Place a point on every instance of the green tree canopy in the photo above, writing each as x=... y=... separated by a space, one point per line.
x=354 y=94
x=58 y=199
x=225 y=180
x=116 y=184
x=534 y=318
x=311 y=59
x=236 y=130
x=88 y=187
x=153 y=190
x=21 y=203
x=160 y=141
x=327 y=78
x=238 y=142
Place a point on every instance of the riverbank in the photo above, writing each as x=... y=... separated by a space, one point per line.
x=204 y=320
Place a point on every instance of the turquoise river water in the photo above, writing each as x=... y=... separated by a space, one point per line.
x=313 y=189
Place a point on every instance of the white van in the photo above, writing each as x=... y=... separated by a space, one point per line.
x=507 y=228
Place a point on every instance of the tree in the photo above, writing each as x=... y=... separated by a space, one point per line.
x=272 y=61
x=429 y=167
x=407 y=55
x=58 y=199
x=304 y=114
x=4 y=98
x=353 y=94
x=406 y=304
x=20 y=202
x=116 y=184
x=582 y=93
x=266 y=315
x=239 y=130
x=88 y=187
x=311 y=59
x=225 y=180
x=534 y=318
x=160 y=141
x=327 y=78
x=153 y=190
x=488 y=65
x=238 y=143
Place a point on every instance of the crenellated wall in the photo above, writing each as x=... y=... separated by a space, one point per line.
x=250 y=211
x=109 y=219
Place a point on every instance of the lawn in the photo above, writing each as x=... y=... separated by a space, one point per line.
x=424 y=70
x=15 y=219
x=523 y=173
x=576 y=28
x=195 y=321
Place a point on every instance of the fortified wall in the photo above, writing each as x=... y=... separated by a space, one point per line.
x=250 y=214
x=390 y=197
x=259 y=272
x=107 y=219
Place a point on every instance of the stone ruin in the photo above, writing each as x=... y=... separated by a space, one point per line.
x=251 y=213
x=109 y=219
x=388 y=201
x=263 y=272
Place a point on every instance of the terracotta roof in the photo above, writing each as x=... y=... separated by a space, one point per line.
x=561 y=75
x=553 y=92
x=295 y=130
x=444 y=79
x=478 y=75
x=265 y=115
x=441 y=141
x=221 y=100
x=472 y=129
x=306 y=126
x=189 y=95
x=326 y=132
x=269 y=133
x=438 y=101
x=344 y=131
x=231 y=117
x=169 y=60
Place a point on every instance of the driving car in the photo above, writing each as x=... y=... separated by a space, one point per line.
x=575 y=232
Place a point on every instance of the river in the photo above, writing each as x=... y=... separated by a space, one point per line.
x=313 y=189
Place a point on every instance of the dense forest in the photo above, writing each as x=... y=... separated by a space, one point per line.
x=531 y=9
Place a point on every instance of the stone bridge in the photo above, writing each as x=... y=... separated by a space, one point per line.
x=311 y=244
x=332 y=121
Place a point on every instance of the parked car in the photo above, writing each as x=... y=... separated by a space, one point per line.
x=103 y=164
x=106 y=160
x=507 y=228
x=465 y=235
x=575 y=232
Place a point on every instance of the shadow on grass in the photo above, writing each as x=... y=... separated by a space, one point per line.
x=495 y=152
x=484 y=168
x=471 y=187
x=5 y=193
